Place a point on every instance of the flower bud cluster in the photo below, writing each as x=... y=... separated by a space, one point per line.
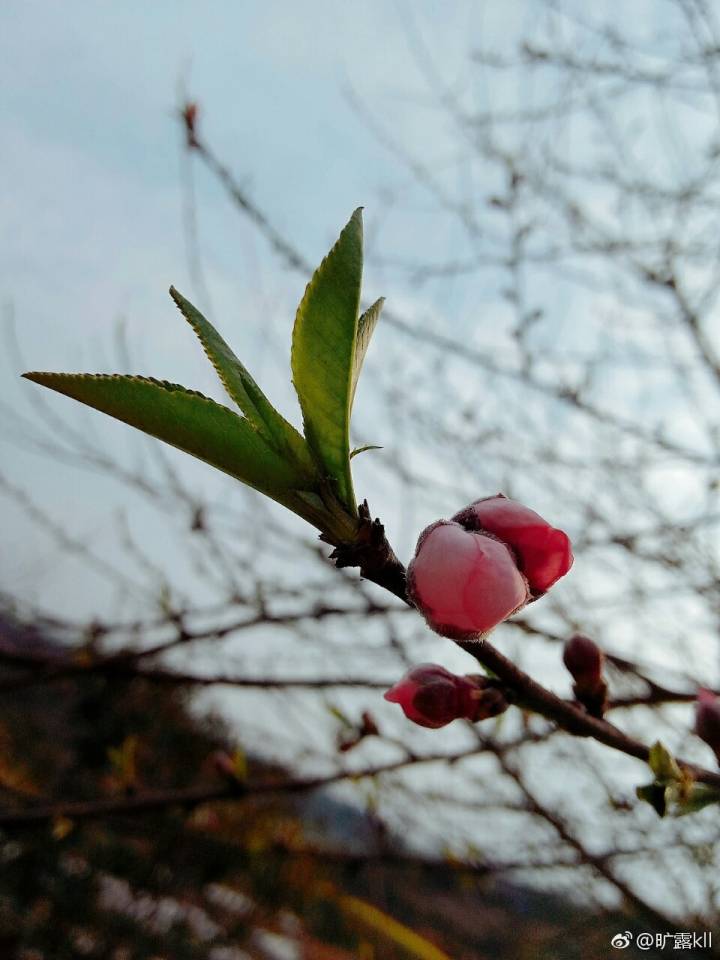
x=468 y=575
x=476 y=570
x=431 y=696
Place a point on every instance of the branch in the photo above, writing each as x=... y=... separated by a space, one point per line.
x=206 y=793
x=294 y=260
x=49 y=669
x=598 y=862
x=566 y=715
x=162 y=676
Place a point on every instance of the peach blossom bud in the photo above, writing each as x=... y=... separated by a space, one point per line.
x=431 y=696
x=584 y=660
x=543 y=553
x=368 y=724
x=464 y=583
x=707 y=720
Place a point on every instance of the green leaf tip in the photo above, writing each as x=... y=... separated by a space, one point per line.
x=323 y=355
x=363 y=449
x=654 y=794
x=663 y=764
x=242 y=388
x=674 y=791
x=678 y=799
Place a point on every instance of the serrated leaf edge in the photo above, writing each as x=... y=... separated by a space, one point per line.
x=291 y=444
x=169 y=385
x=257 y=419
x=45 y=378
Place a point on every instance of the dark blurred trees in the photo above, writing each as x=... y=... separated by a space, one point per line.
x=256 y=876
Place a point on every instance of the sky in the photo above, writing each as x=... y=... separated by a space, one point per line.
x=92 y=214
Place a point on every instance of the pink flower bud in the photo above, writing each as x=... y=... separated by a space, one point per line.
x=707 y=720
x=464 y=583
x=584 y=660
x=543 y=553
x=431 y=696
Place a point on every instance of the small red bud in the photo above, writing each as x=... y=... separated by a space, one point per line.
x=707 y=720
x=432 y=697
x=348 y=739
x=584 y=660
x=368 y=725
x=543 y=552
x=189 y=114
x=464 y=583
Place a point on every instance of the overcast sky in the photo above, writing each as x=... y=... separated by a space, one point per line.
x=95 y=186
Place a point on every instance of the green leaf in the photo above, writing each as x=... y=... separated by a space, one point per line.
x=697 y=798
x=368 y=446
x=366 y=326
x=241 y=387
x=654 y=794
x=190 y=421
x=323 y=356
x=678 y=799
x=663 y=764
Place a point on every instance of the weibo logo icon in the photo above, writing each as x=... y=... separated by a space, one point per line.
x=621 y=940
